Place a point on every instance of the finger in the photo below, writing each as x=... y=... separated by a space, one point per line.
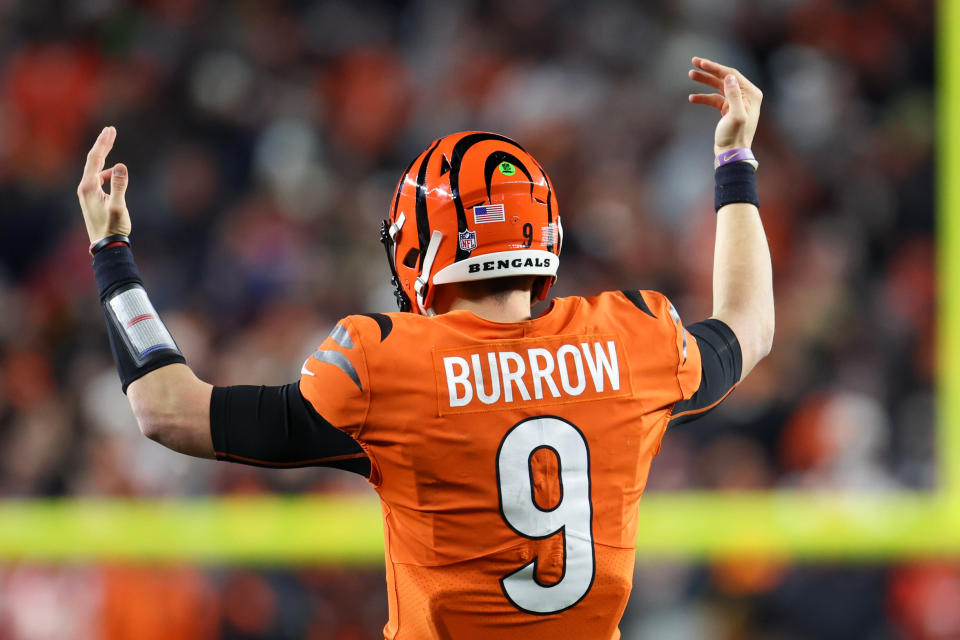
x=118 y=186
x=90 y=186
x=735 y=97
x=721 y=71
x=714 y=100
x=98 y=153
x=706 y=78
x=714 y=68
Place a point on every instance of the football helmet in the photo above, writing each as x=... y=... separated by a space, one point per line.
x=472 y=206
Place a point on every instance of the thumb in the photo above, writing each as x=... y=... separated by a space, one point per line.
x=118 y=184
x=734 y=96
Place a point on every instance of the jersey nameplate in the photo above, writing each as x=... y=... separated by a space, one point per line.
x=531 y=372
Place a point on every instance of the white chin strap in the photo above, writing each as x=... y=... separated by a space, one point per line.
x=394 y=230
x=420 y=284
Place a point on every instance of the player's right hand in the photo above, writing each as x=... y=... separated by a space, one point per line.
x=738 y=102
x=104 y=214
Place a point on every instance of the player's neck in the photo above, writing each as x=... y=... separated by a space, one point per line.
x=513 y=306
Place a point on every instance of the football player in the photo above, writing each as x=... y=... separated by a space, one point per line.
x=509 y=452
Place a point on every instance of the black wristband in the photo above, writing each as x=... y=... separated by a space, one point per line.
x=138 y=338
x=104 y=242
x=735 y=182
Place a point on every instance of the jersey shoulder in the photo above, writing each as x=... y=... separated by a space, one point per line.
x=654 y=333
x=363 y=343
x=635 y=310
x=368 y=331
x=335 y=378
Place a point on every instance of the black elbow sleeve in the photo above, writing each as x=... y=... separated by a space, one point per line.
x=721 y=366
x=277 y=427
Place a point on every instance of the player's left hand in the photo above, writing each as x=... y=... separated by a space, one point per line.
x=104 y=214
x=738 y=101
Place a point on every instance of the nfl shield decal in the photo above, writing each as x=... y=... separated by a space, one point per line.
x=468 y=240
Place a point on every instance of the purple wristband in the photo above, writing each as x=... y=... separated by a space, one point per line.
x=742 y=154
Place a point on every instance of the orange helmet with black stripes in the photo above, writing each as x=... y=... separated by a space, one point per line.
x=472 y=206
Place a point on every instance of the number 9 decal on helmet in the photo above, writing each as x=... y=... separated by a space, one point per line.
x=473 y=206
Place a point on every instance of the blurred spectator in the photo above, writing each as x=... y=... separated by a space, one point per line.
x=264 y=141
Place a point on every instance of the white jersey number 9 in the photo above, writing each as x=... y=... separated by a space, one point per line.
x=572 y=517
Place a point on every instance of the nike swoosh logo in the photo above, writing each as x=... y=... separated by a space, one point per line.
x=304 y=371
x=727 y=157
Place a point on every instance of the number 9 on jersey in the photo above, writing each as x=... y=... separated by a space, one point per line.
x=572 y=516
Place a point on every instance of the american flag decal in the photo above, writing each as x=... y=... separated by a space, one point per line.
x=489 y=213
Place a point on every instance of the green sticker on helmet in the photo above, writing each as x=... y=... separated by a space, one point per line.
x=507 y=169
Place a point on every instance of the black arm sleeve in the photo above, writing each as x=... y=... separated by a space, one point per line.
x=721 y=365
x=116 y=273
x=278 y=427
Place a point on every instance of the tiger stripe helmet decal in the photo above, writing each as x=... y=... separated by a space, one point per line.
x=472 y=206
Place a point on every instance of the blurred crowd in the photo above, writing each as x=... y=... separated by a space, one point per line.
x=264 y=140
x=733 y=599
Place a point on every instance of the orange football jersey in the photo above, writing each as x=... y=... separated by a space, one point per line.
x=509 y=457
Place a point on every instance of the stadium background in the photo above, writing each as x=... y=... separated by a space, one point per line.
x=264 y=140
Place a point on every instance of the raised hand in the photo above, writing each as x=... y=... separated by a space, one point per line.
x=738 y=102
x=104 y=214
